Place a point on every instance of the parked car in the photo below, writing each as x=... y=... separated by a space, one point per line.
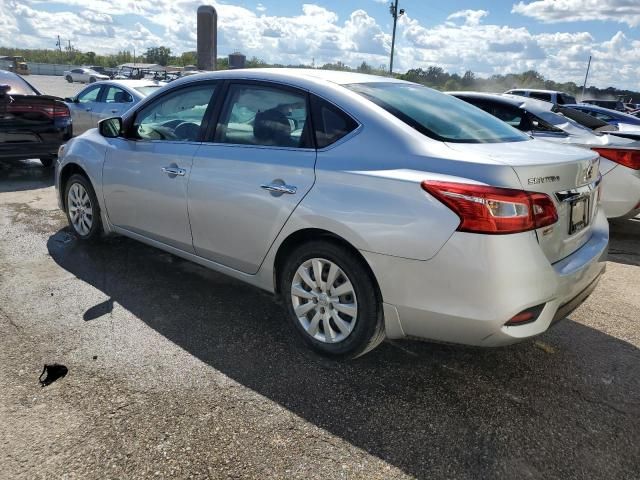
x=83 y=75
x=371 y=206
x=620 y=157
x=553 y=96
x=106 y=99
x=610 y=104
x=623 y=121
x=32 y=125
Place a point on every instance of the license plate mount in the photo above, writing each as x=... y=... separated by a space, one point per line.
x=579 y=216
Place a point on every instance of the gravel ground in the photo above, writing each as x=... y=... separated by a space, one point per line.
x=175 y=371
x=55 y=85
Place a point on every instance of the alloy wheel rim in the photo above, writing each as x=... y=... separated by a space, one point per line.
x=80 y=209
x=324 y=300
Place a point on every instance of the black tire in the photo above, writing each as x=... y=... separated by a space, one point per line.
x=47 y=162
x=368 y=331
x=69 y=78
x=96 y=222
x=92 y=79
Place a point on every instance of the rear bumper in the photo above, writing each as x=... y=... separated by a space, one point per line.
x=477 y=283
x=29 y=150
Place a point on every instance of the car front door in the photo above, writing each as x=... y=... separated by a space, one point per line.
x=247 y=181
x=82 y=109
x=145 y=173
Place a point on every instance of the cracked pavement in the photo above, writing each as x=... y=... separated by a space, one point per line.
x=179 y=372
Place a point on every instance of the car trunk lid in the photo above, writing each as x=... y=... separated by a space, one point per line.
x=567 y=174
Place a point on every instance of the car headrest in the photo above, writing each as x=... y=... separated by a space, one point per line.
x=272 y=126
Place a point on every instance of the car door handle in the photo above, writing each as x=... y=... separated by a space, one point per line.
x=88 y=109
x=280 y=188
x=180 y=172
x=114 y=111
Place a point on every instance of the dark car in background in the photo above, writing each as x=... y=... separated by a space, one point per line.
x=32 y=125
x=610 y=104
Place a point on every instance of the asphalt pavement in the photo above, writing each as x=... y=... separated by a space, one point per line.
x=175 y=371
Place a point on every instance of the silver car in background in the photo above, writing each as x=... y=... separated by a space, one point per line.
x=83 y=75
x=107 y=99
x=371 y=206
x=620 y=157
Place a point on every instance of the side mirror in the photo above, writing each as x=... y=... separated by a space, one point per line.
x=110 y=127
x=4 y=89
x=69 y=100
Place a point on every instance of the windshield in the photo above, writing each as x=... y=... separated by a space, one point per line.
x=148 y=90
x=560 y=121
x=437 y=115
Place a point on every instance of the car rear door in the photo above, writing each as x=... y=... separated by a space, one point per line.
x=145 y=174
x=114 y=101
x=247 y=180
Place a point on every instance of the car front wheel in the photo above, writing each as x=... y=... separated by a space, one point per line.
x=92 y=79
x=83 y=211
x=69 y=79
x=332 y=300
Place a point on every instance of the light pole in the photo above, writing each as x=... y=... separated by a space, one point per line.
x=395 y=13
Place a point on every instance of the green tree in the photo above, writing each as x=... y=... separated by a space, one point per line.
x=159 y=55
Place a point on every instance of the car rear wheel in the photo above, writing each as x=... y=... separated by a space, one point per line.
x=69 y=78
x=332 y=300
x=83 y=211
x=92 y=79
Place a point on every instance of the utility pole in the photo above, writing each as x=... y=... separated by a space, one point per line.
x=59 y=44
x=584 y=86
x=395 y=13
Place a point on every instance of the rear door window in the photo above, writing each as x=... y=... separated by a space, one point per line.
x=256 y=114
x=331 y=123
x=117 y=95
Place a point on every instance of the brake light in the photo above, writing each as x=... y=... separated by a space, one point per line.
x=51 y=110
x=494 y=210
x=626 y=157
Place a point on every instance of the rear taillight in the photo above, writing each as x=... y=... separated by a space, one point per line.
x=494 y=210
x=51 y=110
x=627 y=157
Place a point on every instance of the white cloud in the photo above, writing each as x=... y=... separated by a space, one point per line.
x=471 y=17
x=552 y=11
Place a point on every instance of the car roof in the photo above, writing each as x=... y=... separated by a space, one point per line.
x=531 y=104
x=536 y=90
x=294 y=75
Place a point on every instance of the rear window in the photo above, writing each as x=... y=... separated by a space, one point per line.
x=17 y=84
x=148 y=90
x=437 y=115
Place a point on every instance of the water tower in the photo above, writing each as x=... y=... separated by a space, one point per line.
x=207 y=37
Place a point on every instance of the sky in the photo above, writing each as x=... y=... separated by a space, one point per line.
x=554 y=37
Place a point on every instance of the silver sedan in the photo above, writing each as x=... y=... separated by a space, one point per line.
x=106 y=99
x=372 y=207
